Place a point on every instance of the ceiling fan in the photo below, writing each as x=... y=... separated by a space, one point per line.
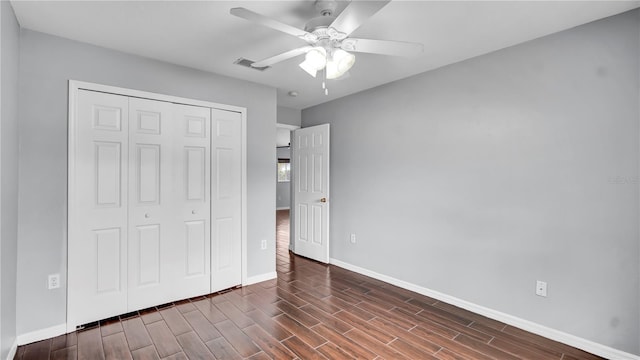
x=329 y=46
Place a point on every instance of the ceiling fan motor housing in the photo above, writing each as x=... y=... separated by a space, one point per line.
x=318 y=23
x=320 y=26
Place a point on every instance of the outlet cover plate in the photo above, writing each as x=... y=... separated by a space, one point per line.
x=54 y=281
x=541 y=288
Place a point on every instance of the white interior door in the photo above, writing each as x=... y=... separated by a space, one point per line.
x=226 y=209
x=98 y=209
x=310 y=155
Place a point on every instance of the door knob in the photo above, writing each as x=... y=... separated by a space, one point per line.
x=193 y=212
x=147 y=215
x=324 y=200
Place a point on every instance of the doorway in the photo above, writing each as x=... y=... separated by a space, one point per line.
x=303 y=172
x=283 y=186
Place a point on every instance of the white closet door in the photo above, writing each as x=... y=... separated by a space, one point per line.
x=226 y=270
x=154 y=208
x=153 y=246
x=98 y=209
x=192 y=199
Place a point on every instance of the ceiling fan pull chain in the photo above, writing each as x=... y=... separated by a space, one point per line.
x=324 y=80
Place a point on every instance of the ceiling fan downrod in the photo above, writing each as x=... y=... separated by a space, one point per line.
x=326 y=7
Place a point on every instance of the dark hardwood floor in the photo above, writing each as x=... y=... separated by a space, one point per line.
x=312 y=311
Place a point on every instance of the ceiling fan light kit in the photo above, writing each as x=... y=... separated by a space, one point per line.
x=328 y=38
x=335 y=62
x=340 y=63
x=314 y=61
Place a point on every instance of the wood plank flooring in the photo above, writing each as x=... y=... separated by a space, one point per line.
x=312 y=311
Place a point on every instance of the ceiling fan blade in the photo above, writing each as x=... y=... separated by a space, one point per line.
x=270 y=23
x=384 y=47
x=281 y=57
x=355 y=14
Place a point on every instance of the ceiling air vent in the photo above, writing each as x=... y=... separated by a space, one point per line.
x=247 y=63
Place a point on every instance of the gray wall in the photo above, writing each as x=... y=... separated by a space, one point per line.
x=46 y=65
x=289 y=116
x=478 y=178
x=9 y=45
x=283 y=189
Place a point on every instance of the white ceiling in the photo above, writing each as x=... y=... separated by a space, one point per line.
x=203 y=35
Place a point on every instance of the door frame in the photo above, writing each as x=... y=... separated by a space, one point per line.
x=75 y=86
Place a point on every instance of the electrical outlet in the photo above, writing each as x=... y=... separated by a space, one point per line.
x=54 y=281
x=353 y=238
x=263 y=245
x=541 y=288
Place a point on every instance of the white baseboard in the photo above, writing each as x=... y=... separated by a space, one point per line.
x=42 y=334
x=57 y=330
x=260 y=278
x=553 y=334
x=13 y=350
x=283 y=208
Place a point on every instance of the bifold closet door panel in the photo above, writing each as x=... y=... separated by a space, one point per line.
x=192 y=198
x=97 y=274
x=169 y=201
x=154 y=252
x=226 y=239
